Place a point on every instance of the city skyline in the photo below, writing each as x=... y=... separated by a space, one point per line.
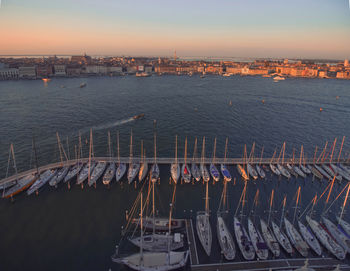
x=277 y=29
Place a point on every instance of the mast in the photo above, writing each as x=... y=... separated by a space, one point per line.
x=118 y=147
x=153 y=209
x=203 y=150
x=176 y=149
x=341 y=148
x=68 y=148
x=284 y=206
x=226 y=143
x=14 y=161
x=301 y=155
x=195 y=150
x=206 y=199
x=243 y=199
x=342 y=209
x=185 y=150
x=142 y=158
x=271 y=201
x=334 y=143
x=296 y=204
x=261 y=156
x=214 y=150
x=109 y=146
x=90 y=151
x=59 y=148
x=155 y=143
x=131 y=147
x=141 y=218
x=36 y=157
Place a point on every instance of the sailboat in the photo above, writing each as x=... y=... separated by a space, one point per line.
x=259 y=169
x=224 y=236
x=315 y=172
x=213 y=170
x=85 y=173
x=244 y=243
x=224 y=171
x=42 y=180
x=326 y=239
x=144 y=165
x=310 y=238
x=203 y=225
x=155 y=169
x=20 y=184
x=203 y=167
x=344 y=225
x=324 y=173
x=331 y=173
x=185 y=170
x=133 y=167
x=110 y=171
x=150 y=261
x=340 y=172
x=251 y=171
x=119 y=173
x=270 y=239
x=175 y=168
x=294 y=236
x=339 y=236
x=99 y=169
x=74 y=171
x=258 y=242
x=275 y=170
x=280 y=167
x=194 y=168
x=242 y=172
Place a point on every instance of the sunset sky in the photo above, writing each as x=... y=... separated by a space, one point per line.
x=240 y=28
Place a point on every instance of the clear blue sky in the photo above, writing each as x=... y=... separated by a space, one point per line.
x=250 y=28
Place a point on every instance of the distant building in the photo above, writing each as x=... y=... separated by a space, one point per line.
x=115 y=69
x=285 y=61
x=73 y=71
x=43 y=71
x=2 y=65
x=60 y=70
x=27 y=72
x=165 y=69
x=95 y=70
x=343 y=75
x=9 y=74
x=346 y=63
x=81 y=59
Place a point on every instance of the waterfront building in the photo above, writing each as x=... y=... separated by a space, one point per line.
x=43 y=71
x=165 y=69
x=73 y=71
x=81 y=59
x=343 y=75
x=233 y=70
x=27 y=72
x=115 y=70
x=346 y=63
x=322 y=74
x=9 y=74
x=95 y=70
x=60 y=70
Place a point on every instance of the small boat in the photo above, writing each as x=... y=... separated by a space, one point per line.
x=310 y=238
x=195 y=172
x=140 y=116
x=73 y=172
x=143 y=74
x=204 y=231
x=275 y=170
x=339 y=236
x=242 y=172
x=21 y=185
x=315 y=172
x=109 y=174
x=132 y=172
x=326 y=239
x=97 y=173
x=283 y=171
x=159 y=242
x=214 y=172
x=261 y=172
x=175 y=172
x=119 y=173
x=225 y=173
x=278 y=78
x=344 y=225
x=204 y=173
x=41 y=181
x=258 y=242
x=61 y=173
x=252 y=172
x=243 y=240
x=305 y=169
x=291 y=170
x=155 y=173
x=324 y=173
x=150 y=261
x=84 y=173
x=226 y=242
x=296 y=239
x=82 y=85
x=270 y=239
x=282 y=238
x=333 y=174
x=299 y=171
x=340 y=172
x=186 y=173
x=160 y=224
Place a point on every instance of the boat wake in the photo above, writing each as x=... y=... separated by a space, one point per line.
x=112 y=124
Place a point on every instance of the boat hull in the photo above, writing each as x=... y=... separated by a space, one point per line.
x=204 y=231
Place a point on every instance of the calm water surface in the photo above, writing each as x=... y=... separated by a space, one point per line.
x=75 y=230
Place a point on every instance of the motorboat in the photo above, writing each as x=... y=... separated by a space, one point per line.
x=258 y=242
x=270 y=239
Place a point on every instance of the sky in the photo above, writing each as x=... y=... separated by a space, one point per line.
x=226 y=28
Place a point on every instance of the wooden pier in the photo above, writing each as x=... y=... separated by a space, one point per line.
x=227 y=161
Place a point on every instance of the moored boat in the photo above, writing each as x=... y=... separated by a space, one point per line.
x=132 y=171
x=340 y=172
x=195 y=172
x=282 y=238
x=61 y=173
x=214 y=172
x=270 y=239
x=109 y=174
x=305 y=169
x=186 y=173
x=97 y=173
x=275 y=170
x=243 y=240
x=143 y=170
x=225 y=173
x=155 y=173
x=321 y=170
x=252 y=172
x=344 y=225
x=21 y=185
x=261 y=172
x=41 y=181
x=331 y=173
x=85 y=172
x=119 y=173
x=295 y=238
x=159 y=242
x=226 y=242
x=242 y=172
x=160 y=223
x=258 y=242
x=204 y=231
x=291 y=170
x=73 y=172
x=299 y=171
x=339 y=236
x=204 y=173
x=175 y=172
x=315 y=172
x=310 y=238
x=283 y=171
x=326 y=239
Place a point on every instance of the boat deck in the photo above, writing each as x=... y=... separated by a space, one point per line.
x=191 y=242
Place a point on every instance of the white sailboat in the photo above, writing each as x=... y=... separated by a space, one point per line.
x=275 y=170
x=259 y=169
x=155 y=169
x=283 y=171
x=85 y=173
x=134 y=167
x=258 y=242
x=41 y=181
x=144 y=164
x=121 y=168
x=340 y=172
x=326 y=239
x=294 y=236
x=175 y=167
x=331 y=173
x=110 y=171
x=310 y=239
x=185 y=170
x=252 y=172
x=203 y=167
x=339 y=236
x=194 y=168
x=224 y=171
x=345 y=225
x=270 y=239
x=225 y=239
x=242 y=172
x=282 y=238
x=99 y=169
x=203 y=225
x=212 y=168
